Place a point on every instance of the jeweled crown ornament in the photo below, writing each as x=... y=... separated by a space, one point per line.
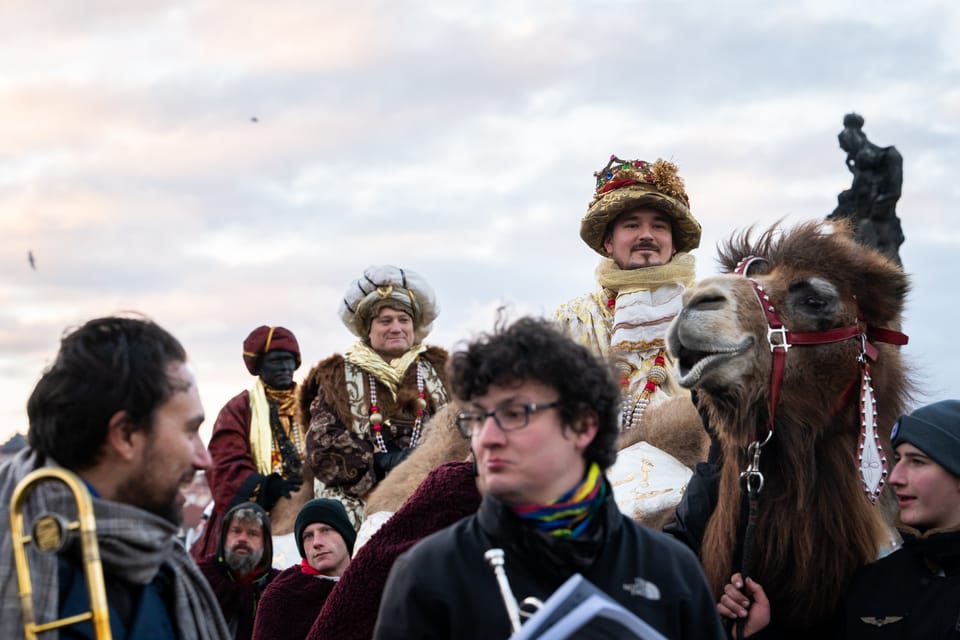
x=662 y=175
x=627 y=185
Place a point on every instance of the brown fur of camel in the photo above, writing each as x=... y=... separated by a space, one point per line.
x=673 y=426
x=815 y=525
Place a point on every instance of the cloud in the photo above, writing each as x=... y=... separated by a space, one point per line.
x=456 y=140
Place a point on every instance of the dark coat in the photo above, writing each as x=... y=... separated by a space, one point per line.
x=238 y=599
x=912 y=593
x=447 y=494
x=443 y=588
x=290 y=605
x=233 y=475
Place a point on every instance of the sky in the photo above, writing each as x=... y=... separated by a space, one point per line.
x=222 y=165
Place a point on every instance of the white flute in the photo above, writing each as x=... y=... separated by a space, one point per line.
x=494 y=558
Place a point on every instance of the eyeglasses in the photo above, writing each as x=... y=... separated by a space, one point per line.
x=511 y=417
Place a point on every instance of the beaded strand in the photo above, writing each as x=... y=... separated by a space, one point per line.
x=376 y=418
x=632 y=415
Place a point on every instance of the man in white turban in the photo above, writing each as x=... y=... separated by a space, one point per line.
x=366 y=408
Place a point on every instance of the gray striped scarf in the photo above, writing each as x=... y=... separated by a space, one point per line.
x=134 y=545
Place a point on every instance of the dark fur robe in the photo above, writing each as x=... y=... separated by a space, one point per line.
x=340 y=457
x=290 y=605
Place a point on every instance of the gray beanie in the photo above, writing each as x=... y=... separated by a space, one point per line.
x=935 y=430
x=329 y=512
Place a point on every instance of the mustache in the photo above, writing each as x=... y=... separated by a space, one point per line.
x=645 y=245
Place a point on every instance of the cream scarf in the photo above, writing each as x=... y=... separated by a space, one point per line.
x=261 y=436
x=680 y=270
x=388 y=373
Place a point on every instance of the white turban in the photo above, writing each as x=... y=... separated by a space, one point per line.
x=388 y=286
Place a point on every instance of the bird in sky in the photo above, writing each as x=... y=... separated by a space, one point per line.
x=31 y=260
x=254 y=119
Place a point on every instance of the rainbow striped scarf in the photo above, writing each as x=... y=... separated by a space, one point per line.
x=569 y=515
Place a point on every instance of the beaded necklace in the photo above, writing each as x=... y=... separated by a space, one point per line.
x=376 y=418
x=633 y=411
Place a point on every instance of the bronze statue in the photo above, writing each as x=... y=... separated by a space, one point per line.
x=870 y=202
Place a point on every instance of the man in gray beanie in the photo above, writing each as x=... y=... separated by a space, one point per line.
x=292 y=601
x=915 y=591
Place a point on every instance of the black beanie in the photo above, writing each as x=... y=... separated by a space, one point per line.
x=935 y=430
x=329 y=512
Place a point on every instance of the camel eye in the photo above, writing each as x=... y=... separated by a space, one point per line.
x=813 y=297
x=813 y=303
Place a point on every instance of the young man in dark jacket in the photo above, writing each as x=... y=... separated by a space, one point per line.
x=541 y=415
x=915 y=591
x=241 y=569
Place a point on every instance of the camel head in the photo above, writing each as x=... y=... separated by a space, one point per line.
x=817 y=279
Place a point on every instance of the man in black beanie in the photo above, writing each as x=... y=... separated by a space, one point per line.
x=915 y=591
x=291 y=603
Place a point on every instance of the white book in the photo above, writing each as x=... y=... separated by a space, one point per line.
x=578 y=609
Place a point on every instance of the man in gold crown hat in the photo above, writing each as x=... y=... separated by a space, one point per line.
x=365 y=409
x=639 y=221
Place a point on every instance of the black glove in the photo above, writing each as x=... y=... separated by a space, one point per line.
x=274 y=486
x=384 y=462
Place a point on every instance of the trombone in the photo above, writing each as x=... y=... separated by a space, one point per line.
x=495 y=558
x=49 y=536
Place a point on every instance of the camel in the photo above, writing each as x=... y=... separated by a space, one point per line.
x=815 y=522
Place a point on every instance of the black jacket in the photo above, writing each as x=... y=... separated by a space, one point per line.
x=912 y=593
x=443 y=587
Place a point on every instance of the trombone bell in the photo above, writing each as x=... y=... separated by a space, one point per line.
x=49 y=536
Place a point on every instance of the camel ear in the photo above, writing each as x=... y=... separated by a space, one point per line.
x=122 y=437
x=881 y=290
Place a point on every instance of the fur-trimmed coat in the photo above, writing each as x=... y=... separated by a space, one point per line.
x=341 y=454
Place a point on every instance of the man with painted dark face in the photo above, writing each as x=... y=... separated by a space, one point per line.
x=258 y=446
x=241 y=569
x=639 y=221
x=366 y=408
x=541 y=415
x=291 y=603
x=120 y=408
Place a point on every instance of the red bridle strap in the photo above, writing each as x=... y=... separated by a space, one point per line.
x=781 y=339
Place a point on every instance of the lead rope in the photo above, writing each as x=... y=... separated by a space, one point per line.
x=751 y=482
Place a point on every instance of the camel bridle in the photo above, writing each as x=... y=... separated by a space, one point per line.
x=873 y=462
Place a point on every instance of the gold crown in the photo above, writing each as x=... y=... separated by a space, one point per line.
x=622 y=173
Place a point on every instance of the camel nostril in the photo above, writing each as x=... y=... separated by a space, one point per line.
x=707 y=302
